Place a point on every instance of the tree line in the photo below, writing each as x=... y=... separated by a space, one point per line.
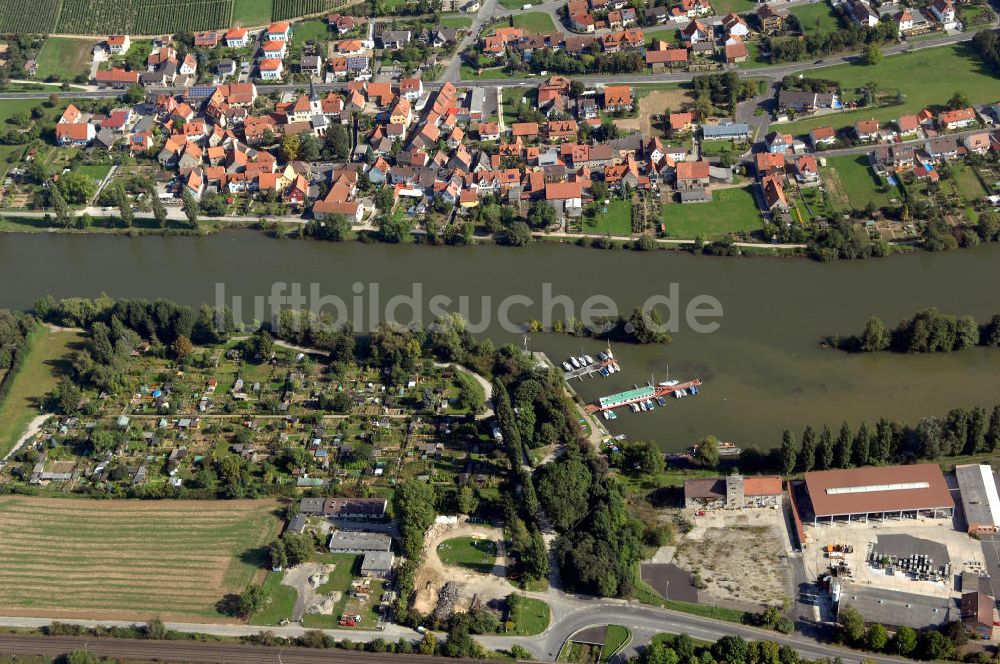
x=962 y=431
x=931 y=643
x=927 y=331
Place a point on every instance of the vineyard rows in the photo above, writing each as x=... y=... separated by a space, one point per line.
x=286 y=9
x=28 y=15
x=142 y=17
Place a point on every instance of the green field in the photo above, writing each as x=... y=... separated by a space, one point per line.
x=469 y=73
x=723 y=7
x=853 y=184
x=927 y=78
x=512 y=4
x=281 y=604
x=98 y=171
x=715 y=148
x=616 y=221
x=478 y=555
x=39 y=374
x=536 y=22
x=64 y=58
x=456 y=21
x=730 y=210
x=314 y=31
x=252 y=12
x=129 y=559
x=615 y=638
x=816 y=18
x=530 y=616
x=966 y=182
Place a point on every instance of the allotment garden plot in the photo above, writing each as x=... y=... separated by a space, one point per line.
x=128 y=560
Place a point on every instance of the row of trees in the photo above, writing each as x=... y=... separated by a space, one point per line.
x=961 y=432
x=928 y=331
x=931 y=643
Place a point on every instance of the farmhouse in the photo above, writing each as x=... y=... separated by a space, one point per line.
x=732 y=492
x=343 y=541
x=888 y=491
x=980 y=501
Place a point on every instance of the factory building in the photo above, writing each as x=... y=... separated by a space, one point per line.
x=890 y=492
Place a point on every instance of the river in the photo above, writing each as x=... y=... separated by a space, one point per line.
x=763 y=369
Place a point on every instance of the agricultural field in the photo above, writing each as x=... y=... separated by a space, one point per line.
x=142 y=18
x=284 y=9
x=816 y=18
x=36 y=16
x=852 y=184
x=65 y=58
x=129 y=560
x=252 y=12
x=536 y=22
x=37 y=376
x=943 y=71
x=478 y=555
x=730 y=211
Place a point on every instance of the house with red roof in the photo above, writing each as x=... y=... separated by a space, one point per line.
x=617 y=98
x=237 y=37
x=280 y=31
x=77 y=134
x=960 y=118
x=118 y=44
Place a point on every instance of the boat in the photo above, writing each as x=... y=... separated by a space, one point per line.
x=589 y=359
x=649 y=402
x=678 y=394
x=669 y=383
x=693 y=389
x=610 y=415
x=642 y=405
x=576 y=362
x=634 y=407
x=610 y=355
x=615 y=365
x=661 y=401
x=604 y=372
x=601 y=356
x=567 y=366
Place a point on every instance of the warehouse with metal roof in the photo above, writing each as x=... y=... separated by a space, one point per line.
x=894 y=608
x=980 y=501
x=879 y=492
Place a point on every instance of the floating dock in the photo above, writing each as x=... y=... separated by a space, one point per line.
x=590 y=369
x=639 y=395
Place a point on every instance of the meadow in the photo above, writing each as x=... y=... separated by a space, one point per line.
x=730 y=211
x=129 y=560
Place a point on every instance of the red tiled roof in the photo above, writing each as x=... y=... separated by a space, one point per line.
x=881 y=489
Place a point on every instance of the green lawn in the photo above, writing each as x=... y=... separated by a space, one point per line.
x=38 y=375
x=713 y=148
x=252 y=12
x=512 y=4
x=723 y=7
x=942 y=71
x=853 y=184
x=64 y=57
x=536 y=22
x=966 y=182
x=672 y=35
x=469 y=73
x=98 y=172
x=456 y=21
x=816 y=18
x=478 y=555
x=314 y=31
x=282 y=601
x=530 y=616
x=617 y=220
x=613 y=640
x=730 y=210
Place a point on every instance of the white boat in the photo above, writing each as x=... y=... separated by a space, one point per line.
x=615 y=365
x=669 y=383
x=610 y=355
x=642 y=405
x=567 y=366
x=589 y=359
x=634 y=407
x=601 y=356
x=576 y=362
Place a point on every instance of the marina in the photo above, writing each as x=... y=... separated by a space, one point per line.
x=645 y=398
x=585 y=366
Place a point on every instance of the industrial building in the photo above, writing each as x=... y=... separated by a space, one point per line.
x=977 y=614
x=344 y=508
x=377 y=564
x=893 y=608
x=880 y=492
x=980 y=501
x=732 y=492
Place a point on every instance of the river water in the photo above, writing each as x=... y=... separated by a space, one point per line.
x=763 y=368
